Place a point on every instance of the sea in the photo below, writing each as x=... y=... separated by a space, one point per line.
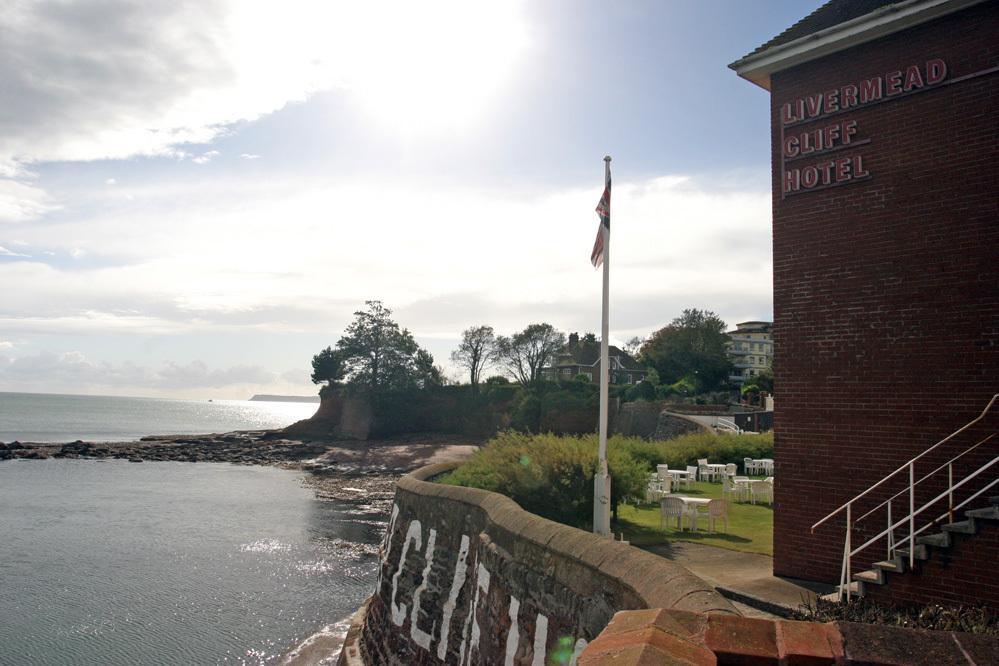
x=112 y=562
x=41 y=417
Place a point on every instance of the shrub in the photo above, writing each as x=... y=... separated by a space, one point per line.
x=643 y=390
x=549 y=475
x=687 y=449
x=970 y=619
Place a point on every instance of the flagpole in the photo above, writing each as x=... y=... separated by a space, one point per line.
x=601 y=480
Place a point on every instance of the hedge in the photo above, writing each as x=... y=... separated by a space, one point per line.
x=552 y=476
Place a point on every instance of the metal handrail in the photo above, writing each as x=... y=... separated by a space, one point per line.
x=907 y=465
x=928 y=475
x=928 y=505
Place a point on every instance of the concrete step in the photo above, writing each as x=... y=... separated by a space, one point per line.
x=939 y=540
x=896 y=565
x=922 y=552
x=990 y=513
x=962 y=526
x=872 y=576
x=854 y=590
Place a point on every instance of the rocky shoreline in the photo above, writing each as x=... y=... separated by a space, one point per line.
x=344 y=470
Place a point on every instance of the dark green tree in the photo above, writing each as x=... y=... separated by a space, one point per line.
x=327 y=366
x=526 y=352
x=691 y=347
x=377 y=354
x=427 y=373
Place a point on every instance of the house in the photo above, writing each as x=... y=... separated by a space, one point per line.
x=751 y=349
x=581 y=356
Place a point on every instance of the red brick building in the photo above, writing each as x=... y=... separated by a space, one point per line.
x=885 y=149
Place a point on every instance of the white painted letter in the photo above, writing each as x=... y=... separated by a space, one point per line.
x=458 y=582
x=413 y=534
x=421 y=637
x=481 y=585
x=580 y=646
x=513 y=636
x=387 y=543
x=540 y=640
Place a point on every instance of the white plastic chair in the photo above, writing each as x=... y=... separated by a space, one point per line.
x=717 y=510
x=732 y=489
x=704 y=473
x=671 y=507
x=763 y=491
x=731 y=469
x=691 y=474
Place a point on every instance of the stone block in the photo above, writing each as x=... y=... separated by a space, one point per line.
x=808 y=643
x=742 y=640
x=897 y=646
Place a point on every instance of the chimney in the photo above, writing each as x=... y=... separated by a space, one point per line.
x=573 y=339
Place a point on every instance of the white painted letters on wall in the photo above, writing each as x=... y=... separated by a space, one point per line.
x=421 y=637
x=414 y=534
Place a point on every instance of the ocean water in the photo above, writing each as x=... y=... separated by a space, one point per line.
x=114 y=563
x=39 y=417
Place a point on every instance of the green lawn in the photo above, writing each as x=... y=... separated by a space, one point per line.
x=750 y=527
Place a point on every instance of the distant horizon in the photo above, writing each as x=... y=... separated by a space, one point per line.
x=152 y=397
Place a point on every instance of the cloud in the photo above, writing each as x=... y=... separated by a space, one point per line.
x=205 y=158
x=74 y=370
x=4 y=252
x=302 y=256
x=4 y=344
x=119 y=78
x=111 y=181
x=250 y=156
x=20 y=202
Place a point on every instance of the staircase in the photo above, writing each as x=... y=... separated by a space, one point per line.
x=927 y=546
x=921 y=534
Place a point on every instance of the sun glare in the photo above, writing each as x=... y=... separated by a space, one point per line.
x=423 y=67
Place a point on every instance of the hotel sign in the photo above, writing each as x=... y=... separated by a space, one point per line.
x=802 y=135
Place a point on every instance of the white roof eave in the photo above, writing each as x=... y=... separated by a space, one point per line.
x=758 y=67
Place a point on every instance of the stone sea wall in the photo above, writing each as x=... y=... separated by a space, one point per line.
x=467 y=576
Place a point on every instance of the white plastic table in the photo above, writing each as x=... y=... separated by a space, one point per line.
x=691 y=505
x=718 y=469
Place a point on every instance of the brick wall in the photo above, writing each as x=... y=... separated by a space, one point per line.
x=468 y=573
x=886 y=291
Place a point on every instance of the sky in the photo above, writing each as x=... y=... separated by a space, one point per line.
x=195 y=196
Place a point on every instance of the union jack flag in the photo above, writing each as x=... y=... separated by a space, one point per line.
x=603 y=210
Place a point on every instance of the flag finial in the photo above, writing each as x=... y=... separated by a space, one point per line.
x=607 y=158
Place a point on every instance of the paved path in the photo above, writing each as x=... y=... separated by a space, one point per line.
x=744 y=577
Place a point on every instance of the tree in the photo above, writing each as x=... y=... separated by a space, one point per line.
x=764 y=381
x=377 y=354
x=692 y=346
x=428 y=374
x=327 y=366
x=475 y=352
x=525 y=353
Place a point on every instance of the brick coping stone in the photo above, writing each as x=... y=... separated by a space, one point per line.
x=659 y=636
